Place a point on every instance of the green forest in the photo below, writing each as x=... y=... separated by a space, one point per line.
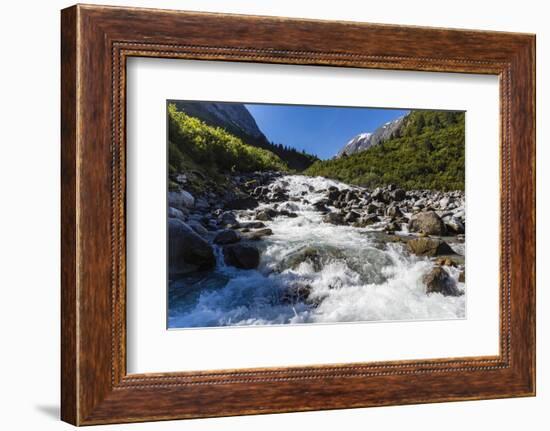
x=213 y=148
x=427 y=152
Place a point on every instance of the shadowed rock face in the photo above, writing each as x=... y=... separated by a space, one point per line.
x=227 y=236
x=241 y=256
x=230 y=116
x=187 y=251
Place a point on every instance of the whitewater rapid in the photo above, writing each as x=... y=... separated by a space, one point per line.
x=363 y=277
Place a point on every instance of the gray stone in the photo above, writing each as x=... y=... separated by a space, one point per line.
x=181 y=199
x=258 y=234
x=427 y=222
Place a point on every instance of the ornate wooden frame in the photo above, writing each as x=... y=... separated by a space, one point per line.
x=95 y=42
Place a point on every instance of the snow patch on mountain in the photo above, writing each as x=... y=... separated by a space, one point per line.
x=364 y=141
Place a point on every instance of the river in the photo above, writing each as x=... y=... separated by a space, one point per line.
x=349 y=274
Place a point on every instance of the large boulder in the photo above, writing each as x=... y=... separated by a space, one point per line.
x=317 y=257
x=438 y=280
x=181 y=199
x=227 y=218
x=429 y=247
x=428 y=222
x=241 y=256
x=187 y=251
x=227 y=236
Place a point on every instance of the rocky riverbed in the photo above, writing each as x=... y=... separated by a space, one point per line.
x=272 y=248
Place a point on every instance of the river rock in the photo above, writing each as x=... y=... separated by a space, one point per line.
x=394 y=211
x=241 y=256
x=266 y=214
x=288 y=214
x=428 y=222
x=187 y=251
x=367 y=220
x=181 y=199
x=454 y=225
x=227 y=236
x=258 y=234
x=372 y=208
x=351 y=217
x=227 y=218
x=438 y=280
x=252 y=225
x=333 y=194
x=429 y=247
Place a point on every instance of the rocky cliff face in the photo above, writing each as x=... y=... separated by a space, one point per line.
x=364 y=141
x=233 y=117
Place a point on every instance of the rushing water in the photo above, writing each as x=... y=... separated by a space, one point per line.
x=357 y=275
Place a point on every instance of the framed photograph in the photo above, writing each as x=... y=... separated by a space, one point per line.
x=267 y=215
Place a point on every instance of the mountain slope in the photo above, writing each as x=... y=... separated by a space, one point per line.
x=233 y=117
x=425 y=152
x=192 y=140
x=237 y=120
x=364 y=141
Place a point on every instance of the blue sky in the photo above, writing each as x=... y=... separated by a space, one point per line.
x=319 y=130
